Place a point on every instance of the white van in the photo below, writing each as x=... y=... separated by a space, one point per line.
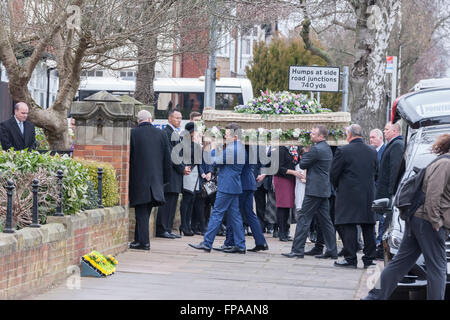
x=185 y=94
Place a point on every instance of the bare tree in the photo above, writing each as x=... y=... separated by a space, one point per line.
x=80 y=33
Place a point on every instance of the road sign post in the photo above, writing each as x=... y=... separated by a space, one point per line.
x=319 y=79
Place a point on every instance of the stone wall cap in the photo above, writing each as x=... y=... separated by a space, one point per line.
x=129 y=99
x=103 y=96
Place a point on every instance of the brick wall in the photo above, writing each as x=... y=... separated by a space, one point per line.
x=34 y=259
x=117 y=156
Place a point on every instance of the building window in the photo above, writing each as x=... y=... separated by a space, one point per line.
x=128 y=74
x=246 y=46
x=99 y=73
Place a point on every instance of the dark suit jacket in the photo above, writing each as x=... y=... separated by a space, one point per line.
x=248 y=179
x=318 y=162
x=176 y=177
x=11 y=136
x=389 y=168
x=149 y=165
x=353 y=175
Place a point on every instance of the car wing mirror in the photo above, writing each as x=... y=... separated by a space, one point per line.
x=381 y=205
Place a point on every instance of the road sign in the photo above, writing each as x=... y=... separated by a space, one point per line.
x=314 y=78
x=389 y=64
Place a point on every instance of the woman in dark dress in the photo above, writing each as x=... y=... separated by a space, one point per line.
x=284 y=184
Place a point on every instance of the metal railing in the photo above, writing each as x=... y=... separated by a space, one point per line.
x=9 y=228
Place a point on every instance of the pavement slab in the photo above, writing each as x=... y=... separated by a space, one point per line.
x=172 y=270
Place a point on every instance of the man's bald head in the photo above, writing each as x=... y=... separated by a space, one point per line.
x=21 y=111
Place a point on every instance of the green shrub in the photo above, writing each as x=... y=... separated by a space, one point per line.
x=41 y=140
x=110 y=188
x=74 y=182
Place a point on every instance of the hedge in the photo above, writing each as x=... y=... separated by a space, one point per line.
x=110 y=188
x=79 y=183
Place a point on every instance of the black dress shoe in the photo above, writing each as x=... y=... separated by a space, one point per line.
x=284 y=239
x=175 y=235
x=345 y=264
x=234 y=249
x=134 y=244
x=327 y=255
x=314 y=251
x=275 y=233
x=293 y=255
x=341 y=253
x=165 y=235
x=368 y=264
x=188 y=233
x=138 y=246
x=200 y=246
x=222 y=247
x=260 y=247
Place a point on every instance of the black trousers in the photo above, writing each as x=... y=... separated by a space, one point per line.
x=192 y=210
x=260 y=201
x=282 y=220
x=166 y=214
x=141 y=230
x=320 y=242
x=350 y=240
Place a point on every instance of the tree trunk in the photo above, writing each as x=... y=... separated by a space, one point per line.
x=368 y=74
x=147 y=51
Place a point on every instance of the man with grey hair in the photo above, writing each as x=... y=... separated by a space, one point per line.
x=149 y=171
x=17 y=132
x=353 y=176
x=144 y=116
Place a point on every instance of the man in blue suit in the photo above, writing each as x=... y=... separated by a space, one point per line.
x=249 y=187
x=229 y=188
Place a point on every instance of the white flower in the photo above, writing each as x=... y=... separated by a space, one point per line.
x=261 y=131
x=215 y=131
x=296 y=133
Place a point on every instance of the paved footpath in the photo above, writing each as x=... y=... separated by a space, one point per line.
x=174 y=271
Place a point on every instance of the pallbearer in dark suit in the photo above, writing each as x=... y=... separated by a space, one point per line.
x=17 y=132
x=166 y=213
x=149 y=172
x=317 y=162
x=353 y=175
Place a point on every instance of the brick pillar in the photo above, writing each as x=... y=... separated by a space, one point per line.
x=103 y=123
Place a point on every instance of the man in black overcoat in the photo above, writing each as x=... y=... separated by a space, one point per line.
x=353 y=175
x=17 y=132
x=166 y=213
x=149 y=172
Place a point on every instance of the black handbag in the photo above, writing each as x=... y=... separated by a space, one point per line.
x=209 y=188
